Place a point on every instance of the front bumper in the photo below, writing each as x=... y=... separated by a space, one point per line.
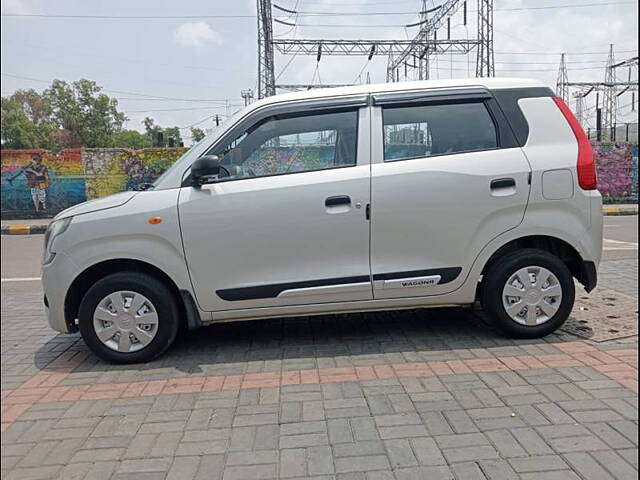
x=57 y=277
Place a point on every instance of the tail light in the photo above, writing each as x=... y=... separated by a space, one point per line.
x=586 y=164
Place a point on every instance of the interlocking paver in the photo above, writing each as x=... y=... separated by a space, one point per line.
x=540 y=463
x=305 y=440
x=615 y=465
x=292 y=462
x=586 y=466
x=369 y=397
x=183 y=467
x=427 y=452
x=320 y=460
x=339 y=431
x=361 y=463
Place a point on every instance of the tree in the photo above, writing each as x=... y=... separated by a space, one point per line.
x=26 y=120
x=131 y=139
x=154 y=130
x=70 y=115
x=85 y=116
x=100 y=116
x=197 y=134
x=172 y=132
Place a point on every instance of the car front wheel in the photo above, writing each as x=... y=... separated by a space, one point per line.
x=128 y=317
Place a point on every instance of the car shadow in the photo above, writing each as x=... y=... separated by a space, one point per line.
x=225 y=348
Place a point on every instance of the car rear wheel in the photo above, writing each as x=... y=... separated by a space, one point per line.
x=528 y=293
x=128 y=317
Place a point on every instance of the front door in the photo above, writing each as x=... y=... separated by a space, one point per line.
x=285 y=224
x=445 y=182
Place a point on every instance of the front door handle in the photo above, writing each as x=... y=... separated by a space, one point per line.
x=337 y=201
x=503 y=183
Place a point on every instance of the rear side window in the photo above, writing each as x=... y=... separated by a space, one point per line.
x=428 y=130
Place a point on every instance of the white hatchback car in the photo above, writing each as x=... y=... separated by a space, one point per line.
x=373 y=197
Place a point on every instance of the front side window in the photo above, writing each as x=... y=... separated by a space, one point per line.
x=291 y=144
x=427 y=130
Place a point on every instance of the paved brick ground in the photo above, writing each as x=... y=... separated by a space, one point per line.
x=621 y=275
x=407 y=395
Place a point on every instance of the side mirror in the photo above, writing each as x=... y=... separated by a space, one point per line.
x=203 y=168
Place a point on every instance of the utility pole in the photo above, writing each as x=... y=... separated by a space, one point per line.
x=411 y=56
x=485 y=63
x=611 y=89
x=579 y=96
x=562 y=90
x=415 y=57
x=598 y=118
x=266 y=74
x=247 y=95
x=610 y=102
x=633 y=98
x=423 y=58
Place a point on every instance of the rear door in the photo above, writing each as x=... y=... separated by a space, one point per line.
x=447 y=177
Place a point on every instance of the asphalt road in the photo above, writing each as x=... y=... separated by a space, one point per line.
x=21 y=254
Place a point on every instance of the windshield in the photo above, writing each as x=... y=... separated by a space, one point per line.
x=185 y=159
x=172 y=177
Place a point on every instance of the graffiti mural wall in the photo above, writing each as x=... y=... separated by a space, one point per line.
x=617 y=166
x=112 y=170
x=36 y=183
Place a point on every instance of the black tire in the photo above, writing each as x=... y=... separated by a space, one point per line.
x=499 y=273
x=156 y=292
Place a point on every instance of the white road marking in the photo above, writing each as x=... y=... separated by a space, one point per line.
x=610 y=244
x=20 y=279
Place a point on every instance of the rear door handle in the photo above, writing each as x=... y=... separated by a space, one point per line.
x=337 y=201
x=502 y=183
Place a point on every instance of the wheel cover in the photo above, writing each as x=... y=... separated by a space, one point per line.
x=125 y=321
x=532 y=296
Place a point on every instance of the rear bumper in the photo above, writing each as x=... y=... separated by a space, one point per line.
x=589 y=277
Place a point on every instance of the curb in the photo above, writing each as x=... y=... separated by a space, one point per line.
x=22 y=229
x=617 y=211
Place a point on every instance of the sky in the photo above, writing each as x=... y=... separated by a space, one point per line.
x=183 y=71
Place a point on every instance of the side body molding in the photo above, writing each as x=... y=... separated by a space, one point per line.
x=410 y=279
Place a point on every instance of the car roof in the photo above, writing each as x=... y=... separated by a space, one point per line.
x=489 y=83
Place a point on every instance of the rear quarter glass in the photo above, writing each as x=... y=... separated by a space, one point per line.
x=508 y=101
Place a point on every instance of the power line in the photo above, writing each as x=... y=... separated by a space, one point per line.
x=92 y=54
x=39 y=80
x=174 y=109
x=533 y=52
x=506 y=9
x=200 y=121
x=58 y=61
x=550 y=7
x=308 y=14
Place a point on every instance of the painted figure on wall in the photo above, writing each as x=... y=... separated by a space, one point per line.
x=138 y=174
x=113 y=170
x=38 y=182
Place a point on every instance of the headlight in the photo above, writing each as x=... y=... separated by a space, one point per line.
x=55 y=228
